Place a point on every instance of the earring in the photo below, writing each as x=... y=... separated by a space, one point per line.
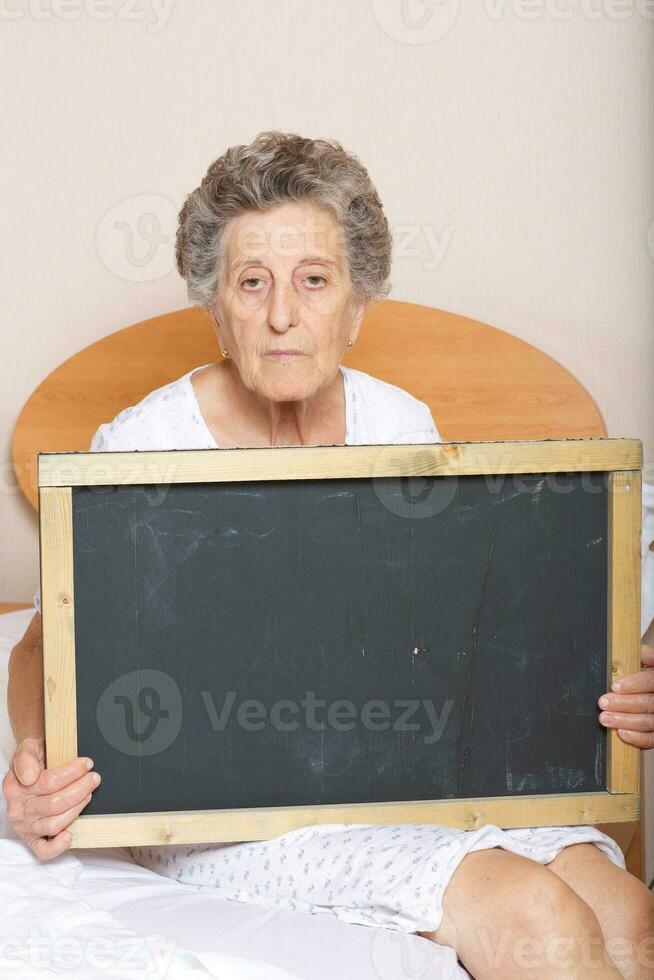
x=350 y=343
x=225 y=354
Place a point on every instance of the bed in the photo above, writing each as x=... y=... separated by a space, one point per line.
x=92 y=913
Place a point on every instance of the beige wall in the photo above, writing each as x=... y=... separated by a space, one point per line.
x=510 y=142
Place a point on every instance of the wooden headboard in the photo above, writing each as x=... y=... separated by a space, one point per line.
x=480 y=382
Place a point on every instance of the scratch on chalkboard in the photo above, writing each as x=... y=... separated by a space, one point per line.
x=186 y=768
x=539 y=486
x=136 y=630
x=413 y=638
x=358 y=505
x=598 y=762
x=263 y=534
x=322 y=768
x=505 y=500
x=527 y=780
x=468 y=718
x=536 y=495
x=566 y=777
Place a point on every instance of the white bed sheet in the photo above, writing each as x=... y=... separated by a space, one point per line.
x=94 y=913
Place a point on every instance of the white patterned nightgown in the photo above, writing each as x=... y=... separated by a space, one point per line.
x=391 y=876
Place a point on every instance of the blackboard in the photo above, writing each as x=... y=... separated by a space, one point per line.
x=248 y=641
x=471 y=611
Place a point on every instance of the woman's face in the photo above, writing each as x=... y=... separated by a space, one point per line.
x=286 y=287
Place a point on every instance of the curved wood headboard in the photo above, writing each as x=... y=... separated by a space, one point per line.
x=480 y=382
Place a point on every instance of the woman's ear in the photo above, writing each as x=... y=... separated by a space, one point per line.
x=215 y=323
x=359 y=313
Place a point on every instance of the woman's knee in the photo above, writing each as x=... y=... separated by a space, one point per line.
x=637 y=932
x=496 y=896
x=545 y=905
x=623 y=904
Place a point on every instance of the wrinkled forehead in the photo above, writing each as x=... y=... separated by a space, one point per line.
x=299 y=233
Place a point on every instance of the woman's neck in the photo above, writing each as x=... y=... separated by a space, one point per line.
x=238 y=417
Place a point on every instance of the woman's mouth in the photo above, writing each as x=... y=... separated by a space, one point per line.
x=284 y=355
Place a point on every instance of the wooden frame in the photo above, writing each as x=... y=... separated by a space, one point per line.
x=58 y=473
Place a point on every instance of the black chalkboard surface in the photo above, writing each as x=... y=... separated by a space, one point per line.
x=478 y=633
x=310 y=642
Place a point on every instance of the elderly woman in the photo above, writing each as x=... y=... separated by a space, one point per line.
x=285 y=244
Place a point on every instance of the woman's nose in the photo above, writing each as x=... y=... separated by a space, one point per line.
x=282 y=310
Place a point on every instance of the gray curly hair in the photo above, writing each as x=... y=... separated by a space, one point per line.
x=275 y=168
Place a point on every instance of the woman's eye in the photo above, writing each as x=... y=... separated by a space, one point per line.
x=254 y=281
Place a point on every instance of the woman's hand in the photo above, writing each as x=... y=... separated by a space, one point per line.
x=630 y=707
x=42 y=802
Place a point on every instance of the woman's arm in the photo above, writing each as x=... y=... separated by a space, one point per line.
x=25 y=689
x=41 y=802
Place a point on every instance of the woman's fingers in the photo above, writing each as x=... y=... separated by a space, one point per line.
x=46 y=805
x=29 y=760
x=47 y=815
x=642 y=740
x=627 y=702
x=50 y=826
x=630 y=722
x=643 y=681
x=647 y=655
x=52 y=780
x=41 y=810
x=630 y=709
x=634 y=727
x=46 y=849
